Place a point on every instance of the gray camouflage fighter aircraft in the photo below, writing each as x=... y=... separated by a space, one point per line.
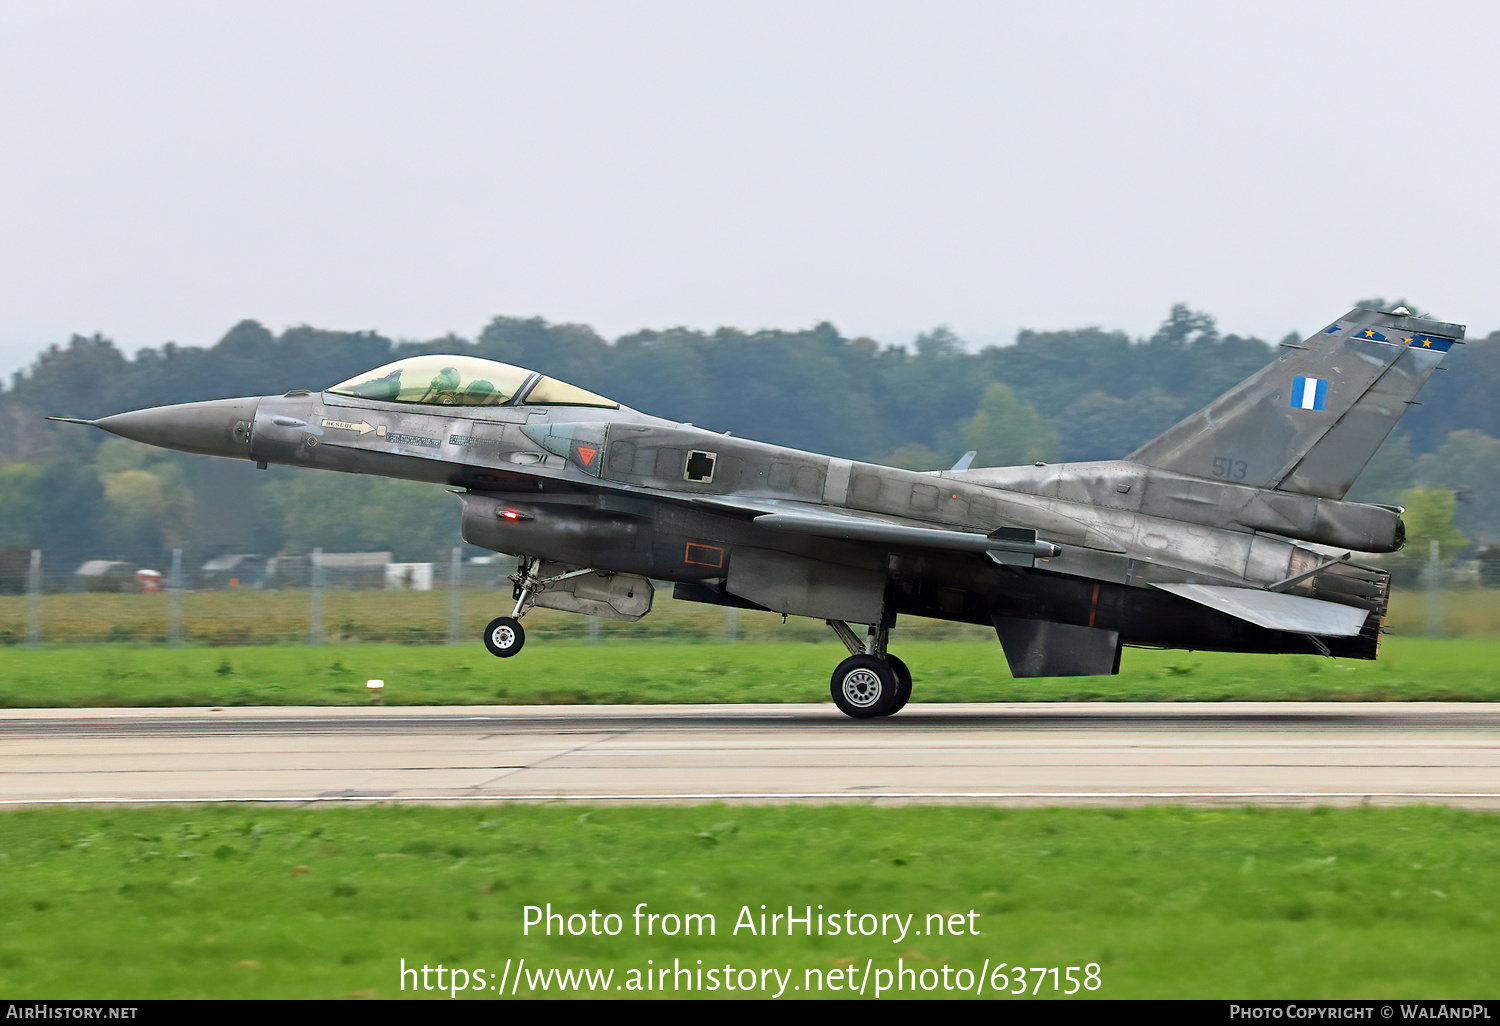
x=1191 y=541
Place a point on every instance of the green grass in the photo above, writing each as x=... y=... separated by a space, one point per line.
x=571 y=672
x=260 y=902
x=675 y=655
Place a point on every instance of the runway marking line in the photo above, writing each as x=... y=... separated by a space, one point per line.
x=771 y=795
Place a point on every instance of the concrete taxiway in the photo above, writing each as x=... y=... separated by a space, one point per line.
x=1022 y=754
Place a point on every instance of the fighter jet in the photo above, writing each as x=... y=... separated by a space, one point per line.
x=1225 y=533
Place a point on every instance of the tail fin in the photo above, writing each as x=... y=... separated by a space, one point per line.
x=1309 y=422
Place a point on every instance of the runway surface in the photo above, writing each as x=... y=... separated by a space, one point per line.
x=1022 y=754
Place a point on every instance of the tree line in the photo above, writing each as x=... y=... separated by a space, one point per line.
x=1082 y=394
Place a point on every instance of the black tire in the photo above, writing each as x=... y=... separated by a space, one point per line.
x=863 y=686
x=504 y=636
x=903 y=685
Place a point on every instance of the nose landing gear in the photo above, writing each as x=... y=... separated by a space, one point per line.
x=504 y=635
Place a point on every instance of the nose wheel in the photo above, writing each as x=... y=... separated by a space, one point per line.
x=504 y=636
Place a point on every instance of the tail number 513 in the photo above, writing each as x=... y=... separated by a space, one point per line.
x=1230 y=468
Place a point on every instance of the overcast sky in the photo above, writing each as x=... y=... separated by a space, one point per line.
x=170 y=168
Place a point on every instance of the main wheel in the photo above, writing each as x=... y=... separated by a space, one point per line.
x=864 y=686
x=903 y=684
x=504 y=636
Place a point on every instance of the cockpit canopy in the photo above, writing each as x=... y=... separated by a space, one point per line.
x=465 y=381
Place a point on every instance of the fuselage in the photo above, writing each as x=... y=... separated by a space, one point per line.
x=618 y=490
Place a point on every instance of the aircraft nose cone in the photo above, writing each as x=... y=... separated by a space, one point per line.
x=219 y=427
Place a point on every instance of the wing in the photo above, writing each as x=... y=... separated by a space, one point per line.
x=1011 y=546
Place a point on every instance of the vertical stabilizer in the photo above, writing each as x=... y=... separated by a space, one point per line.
x=1310 y=421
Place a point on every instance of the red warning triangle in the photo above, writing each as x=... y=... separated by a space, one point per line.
x=587 y=455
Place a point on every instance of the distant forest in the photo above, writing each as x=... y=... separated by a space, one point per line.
x=1084 y=394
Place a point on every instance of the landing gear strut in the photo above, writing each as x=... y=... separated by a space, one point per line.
x=504 y=635
x=871 y=682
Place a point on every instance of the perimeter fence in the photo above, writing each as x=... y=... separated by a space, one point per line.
x=324 y=598
x=317 y=598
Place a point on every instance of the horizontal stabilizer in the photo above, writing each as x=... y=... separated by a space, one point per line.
x=1274 y=610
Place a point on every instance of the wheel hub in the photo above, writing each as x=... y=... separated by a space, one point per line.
x=862 y=687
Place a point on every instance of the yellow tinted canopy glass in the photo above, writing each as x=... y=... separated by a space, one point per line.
x=462 y=381
x=441 y=380
x=551 y=392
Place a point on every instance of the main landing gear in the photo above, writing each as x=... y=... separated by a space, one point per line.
x=871 y=682
x=504 y=635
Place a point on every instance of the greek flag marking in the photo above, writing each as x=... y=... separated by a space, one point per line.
x=1309 y=393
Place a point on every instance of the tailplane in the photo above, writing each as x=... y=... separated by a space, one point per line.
x=1310 y=421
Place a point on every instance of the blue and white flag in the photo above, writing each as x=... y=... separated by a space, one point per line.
x=1309 y=393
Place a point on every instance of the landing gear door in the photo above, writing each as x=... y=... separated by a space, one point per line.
x=612 y=596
